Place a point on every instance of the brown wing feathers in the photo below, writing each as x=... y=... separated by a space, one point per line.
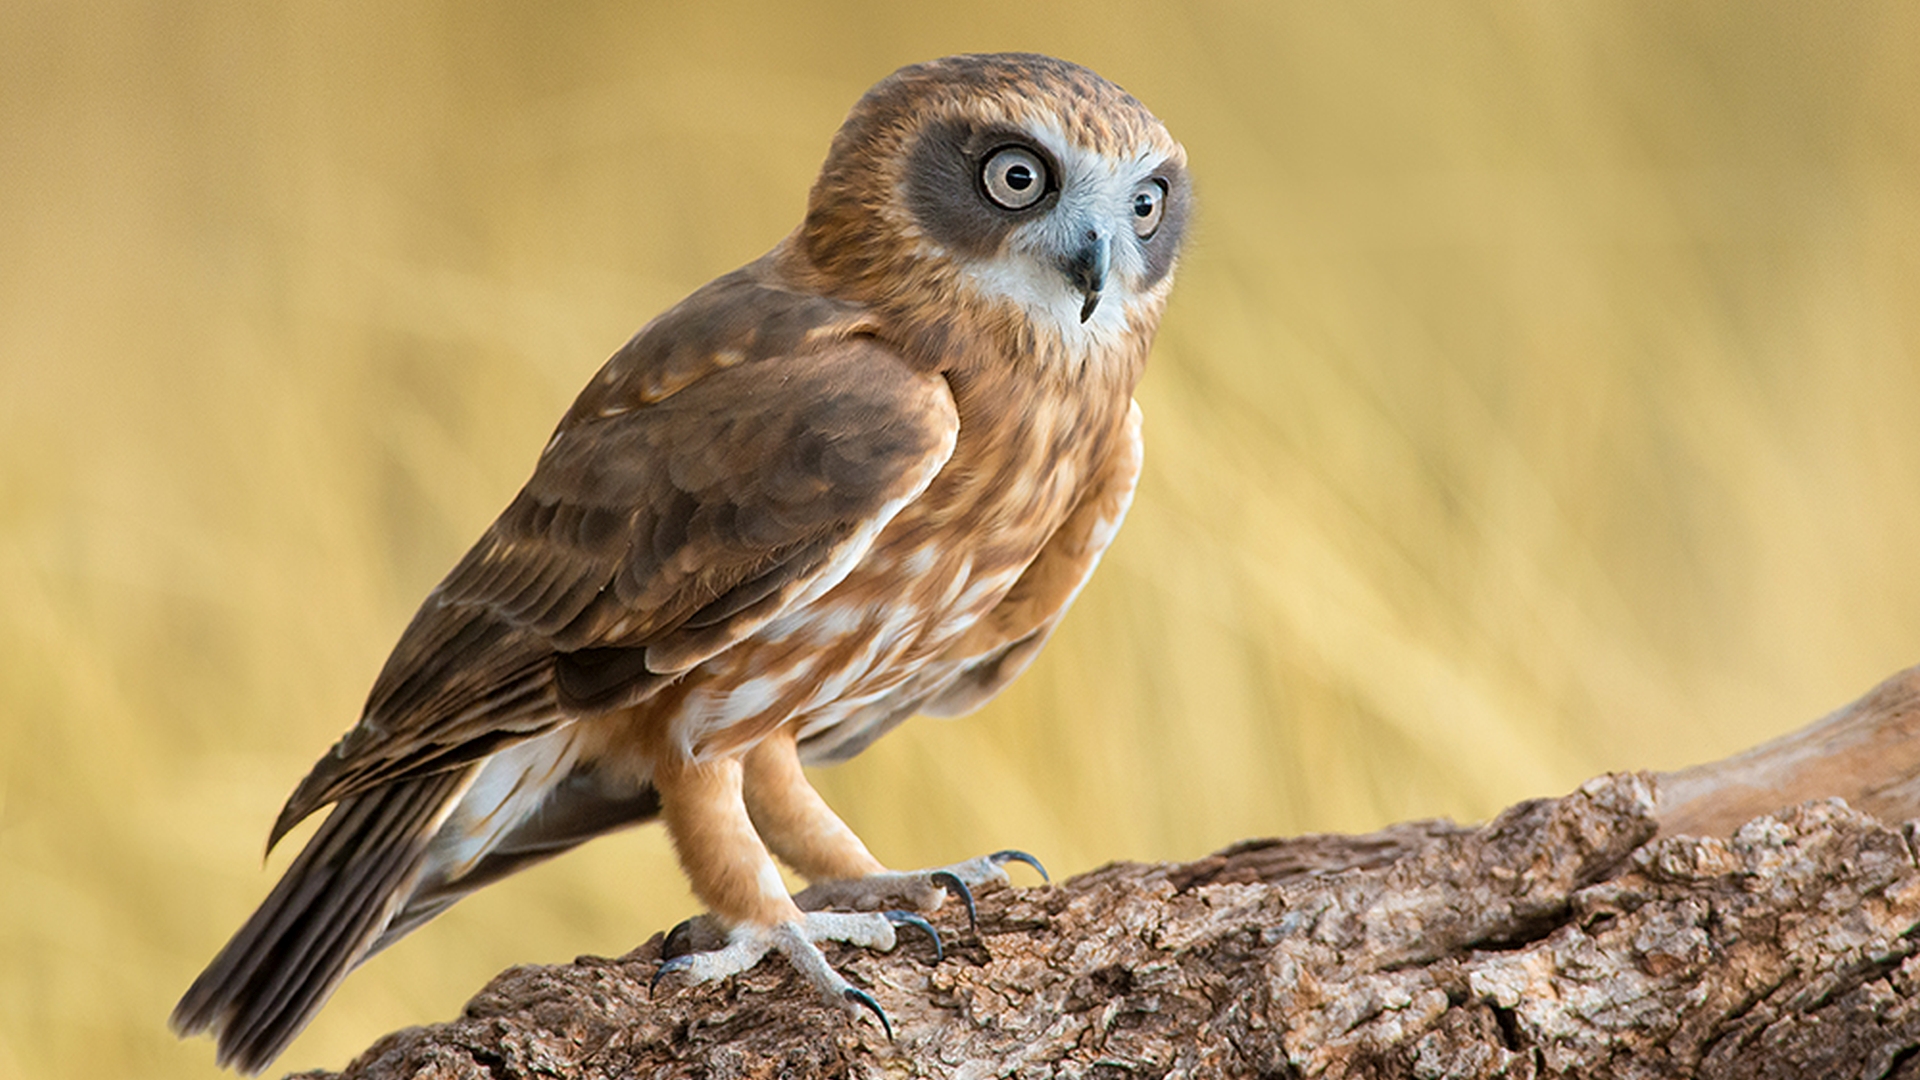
x=677 y=509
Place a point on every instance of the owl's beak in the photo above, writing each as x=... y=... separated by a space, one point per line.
x=1087 y=269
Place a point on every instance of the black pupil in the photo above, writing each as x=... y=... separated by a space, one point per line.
x=1143 y=205
x=1019 y=177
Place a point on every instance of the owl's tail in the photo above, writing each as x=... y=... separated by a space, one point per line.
x=318 y=923
x=382 y=864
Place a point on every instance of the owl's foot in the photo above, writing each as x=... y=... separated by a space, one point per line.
x=746 y=945
x=702 y=949
x=921 y=890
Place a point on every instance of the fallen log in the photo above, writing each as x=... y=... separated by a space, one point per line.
x=1755 y=917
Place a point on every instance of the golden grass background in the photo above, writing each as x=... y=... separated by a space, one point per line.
x=1541 y=397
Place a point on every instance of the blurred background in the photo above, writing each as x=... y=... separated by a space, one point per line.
x=1541 y=396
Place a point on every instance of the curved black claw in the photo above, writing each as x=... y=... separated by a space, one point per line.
x=666 y=968
x=678 y=942
x=1002 y=858
x=947 y=879
x=865 y=1000
x=908 y=918
x=696 y=935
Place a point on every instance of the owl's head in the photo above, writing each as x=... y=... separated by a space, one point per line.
x=1022 y=183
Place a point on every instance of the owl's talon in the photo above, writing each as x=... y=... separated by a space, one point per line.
x=668 y=967
x=675 y=943
x=908 y=918
x=924 y=890
x=695 y=935
x=748 y=943
x=856 y=996
x=947 y=879
x=1002 y=858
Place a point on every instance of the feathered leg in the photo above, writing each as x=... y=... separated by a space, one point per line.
x=805 y=833
x=731 y=871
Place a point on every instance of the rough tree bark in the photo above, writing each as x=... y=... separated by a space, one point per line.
x=1748 y=918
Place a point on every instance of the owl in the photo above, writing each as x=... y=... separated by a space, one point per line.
x=858 y=479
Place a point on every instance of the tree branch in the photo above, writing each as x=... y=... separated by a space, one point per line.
x=1687 y=924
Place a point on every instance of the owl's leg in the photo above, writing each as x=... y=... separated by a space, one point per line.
x=805 y=833
x=795 y=821
x=732 y=873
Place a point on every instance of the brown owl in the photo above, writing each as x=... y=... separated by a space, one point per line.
x=860 y=478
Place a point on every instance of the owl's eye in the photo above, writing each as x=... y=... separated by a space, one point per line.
x=1014 y=177
x=1149 y=203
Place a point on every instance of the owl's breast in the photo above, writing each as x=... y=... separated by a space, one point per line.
x=871 y=648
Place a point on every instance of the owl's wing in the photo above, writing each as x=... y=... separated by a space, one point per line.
x=1006 y=639
x=736 y=458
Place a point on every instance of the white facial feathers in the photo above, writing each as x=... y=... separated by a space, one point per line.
x=1096 y=199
